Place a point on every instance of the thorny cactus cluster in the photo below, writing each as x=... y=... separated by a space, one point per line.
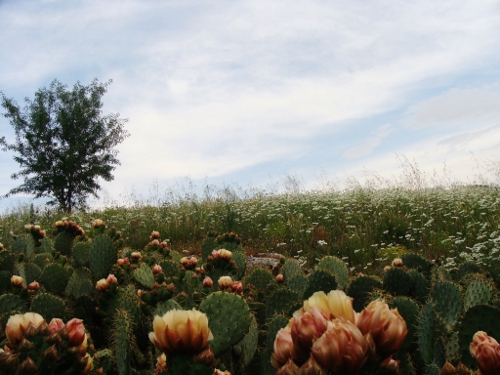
x=152 y=311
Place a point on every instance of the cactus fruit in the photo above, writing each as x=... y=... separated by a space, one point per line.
x=319 y=280
x=49 y=306
x=102 y=256
x=337 y=267
x=229 y=319
x=360 y=289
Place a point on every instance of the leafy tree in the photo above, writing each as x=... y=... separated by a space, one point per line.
x=64 y=143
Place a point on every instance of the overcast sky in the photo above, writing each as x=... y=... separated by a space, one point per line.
x=248 y=92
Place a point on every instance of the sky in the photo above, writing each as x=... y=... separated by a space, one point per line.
x=270 y=93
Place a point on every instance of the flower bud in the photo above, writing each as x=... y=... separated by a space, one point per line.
x=283 y=347
x=157 y=269
x=111 y=279
x=280 y=278
x=56 y=324
x=486 y=351
x=17 y=281
x=237 y=287
x=51 y=353
x=341 y=349
x=189 y=262
x=222 y=254
x=219 y=372
x=88 y=362
x=397 y=262
x=28 y=366
x=34 y=285
x=76 y=332
x=306 y=329
x=155 y=235
x=102 y=285
x=311 y=367
x=206 y=357
x=161 y=363
x=289 y=368
x=136 y=255
x=225 y=282
x=207 y=282
x=387 y=268
x=386 y=326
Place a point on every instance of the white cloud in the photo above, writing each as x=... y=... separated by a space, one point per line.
x=369 y=144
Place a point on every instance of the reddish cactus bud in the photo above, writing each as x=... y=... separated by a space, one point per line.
x=486 y=351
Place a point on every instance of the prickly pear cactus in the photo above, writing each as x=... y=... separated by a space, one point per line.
x=246 y=348
x=102 y=256
x=417 y=262
x=80 y=283
x=478 y=292
x=81 y=254
x=446 y=299
x=49 y=306
x=229 y=319
x=54 y=278
x=280 y=301
x=64 y=243
x=337 y=267
x=122 y=338
x=290 y=268
x=144 y=276
x=397 y=281
x=24 y=244
x=360 y=289
x=319 y=280
x=261 y=278
x=241 y=262
x=298 y=283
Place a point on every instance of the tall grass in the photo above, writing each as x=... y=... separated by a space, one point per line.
x=365 y=226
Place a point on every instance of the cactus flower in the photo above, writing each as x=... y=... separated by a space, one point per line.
x=207 y=282
x=28 y=366
x=222 y=254
x=17 y=281
x=181 y=331
x=155 y=235
x=289 y=368
x=102 y=285
x=397 y=262
x=225 y=282
x=341 y=349
x=220 y=372
x=486 y=351
x=34 y=285
x=311 y=367
x=387 y=327
x=18 y=324
x=189 y=262
x=283 y=347
x=335 y=304
x=307 y=328
x=76 y=332
x=280 y=278
x=157 y=269
x=161 y=363
x=56 y=324
x=237 y=287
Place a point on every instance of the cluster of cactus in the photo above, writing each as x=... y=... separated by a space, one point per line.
x=137 y=303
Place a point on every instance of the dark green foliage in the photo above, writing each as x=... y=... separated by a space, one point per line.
x=11 y=304
x=54 y=278
x=5 y=281
x=466 y=268
x=360 y=289
x=207 y=247
x=397 y=281
x=48 y=306
x=63 y=142
x=319 y=280
x=229 y=319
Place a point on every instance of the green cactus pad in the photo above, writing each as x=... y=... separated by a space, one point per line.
x=320 y=280
x=175 y=256
x=207 y=247
x=7 y=260
x=446 y=299
x=290 y=268
x=280 y=301
x=338 y=268
x=229 y=319
x=122 y=337
x=163 y=307
x=41 y=259
x=298 y=283
x=81 y=254
x=170 y=268
x=410 y=312
x=54 y=278
x=421 y=286
x=102 y=256
x=241 y=262
x=465 y=269
x=426 y=333
x=11 y=302
x=144 y=276
x=32 y=272
x=5 y=281
x=80 y=283
x=46 y=246
x=479 y=291
x=397 y=281
x=417 y=262
x=64 y=243
x=478 y=318
x=246 y=348
x=24 y=244
x=360 y=289
x=278 y=322
x=48 y=306
x=260 y=278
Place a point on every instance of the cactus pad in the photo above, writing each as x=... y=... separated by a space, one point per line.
x=337 y=267
x=48 y=306
x=320 y=280
x=102 y=256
